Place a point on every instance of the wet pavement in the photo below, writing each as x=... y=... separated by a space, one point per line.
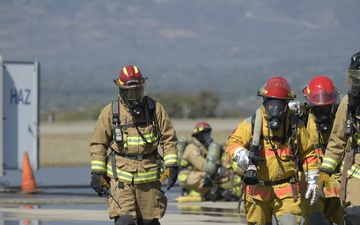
x=66 y=198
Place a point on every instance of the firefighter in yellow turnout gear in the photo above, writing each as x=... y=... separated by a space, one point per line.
x=270 y=150
x=318 y=114
x=202 y=173
x=343 y=147
x=131 y=128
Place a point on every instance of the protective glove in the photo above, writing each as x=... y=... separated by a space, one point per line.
x=171 y=173
x=241 y=157
x=312 y=187
x=207 y=182
x=96 y=182
x=324 y=180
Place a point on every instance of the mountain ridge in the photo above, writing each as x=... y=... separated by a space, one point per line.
x=230 y=47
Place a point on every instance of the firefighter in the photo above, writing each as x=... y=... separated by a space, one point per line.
x=322 y=100
x=269 y=146
x=201 y=174
x=131 y=128
x=343 y=147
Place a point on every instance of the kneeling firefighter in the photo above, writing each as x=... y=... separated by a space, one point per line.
x=201 y=174
x=132 y=127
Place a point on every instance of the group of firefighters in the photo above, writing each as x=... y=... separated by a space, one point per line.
x=292 y=161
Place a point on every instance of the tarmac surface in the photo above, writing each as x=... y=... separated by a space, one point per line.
x=64 y=195
x=58 y=207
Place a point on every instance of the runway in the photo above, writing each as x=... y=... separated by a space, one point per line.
x=55 y=207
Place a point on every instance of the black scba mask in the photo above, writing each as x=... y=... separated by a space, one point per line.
x=354 y=99
x=323 y=116
x=275 y=112
x=135 y=106
x=205 y=138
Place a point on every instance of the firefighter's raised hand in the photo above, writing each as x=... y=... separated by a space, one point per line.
x=241 y=157
x=312 y=191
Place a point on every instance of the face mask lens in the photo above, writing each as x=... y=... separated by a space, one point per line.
x=205 y=138
x=355 y=91
x=132 y=93
x=275 y=108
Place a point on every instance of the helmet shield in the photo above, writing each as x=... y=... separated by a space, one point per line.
x=321 y=97
x=132 y=92
x=353 y=78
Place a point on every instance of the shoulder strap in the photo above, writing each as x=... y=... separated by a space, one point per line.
x=294 y=120
x=117 y=132
x=152 y=114
x=115 y=111
x=257 y=127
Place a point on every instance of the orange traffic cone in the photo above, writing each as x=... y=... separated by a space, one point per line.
x=28 y=180
x=27 y=221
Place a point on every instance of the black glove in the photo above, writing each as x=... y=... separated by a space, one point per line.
x=173 y=174
x=207 y=181
x=96 y=182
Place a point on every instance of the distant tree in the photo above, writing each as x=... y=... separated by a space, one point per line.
x=202 y=104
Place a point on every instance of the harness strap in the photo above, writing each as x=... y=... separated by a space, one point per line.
x=348 y=161
x=273 y=183
x=113 y=163
x=135 y=157
x=115 y=111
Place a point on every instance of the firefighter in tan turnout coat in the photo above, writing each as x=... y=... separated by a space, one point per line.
x=344 y=146
x=130 y=129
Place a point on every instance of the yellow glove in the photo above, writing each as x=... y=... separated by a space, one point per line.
x=324 y=180
x=164 y=175
x=171 y=173
x=105 y=181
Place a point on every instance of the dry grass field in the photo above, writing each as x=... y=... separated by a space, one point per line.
x=67 y=144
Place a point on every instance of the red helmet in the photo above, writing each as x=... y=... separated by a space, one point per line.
x=321 y=91
x=201 y=127
x=131 y=83
x=277 y=87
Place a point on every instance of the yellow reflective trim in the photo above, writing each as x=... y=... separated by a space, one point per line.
x=198 y=129
x=136 y=177
x=226 y=185
x=170 y=159
x=184 y=163
x=136 y=140
x=234 y=165
x=329 y=163
x=353 y=171
x=194 y=193
x=182 y=177
x=98 y=165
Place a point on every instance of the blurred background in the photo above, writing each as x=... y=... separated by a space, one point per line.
x=203 y=58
